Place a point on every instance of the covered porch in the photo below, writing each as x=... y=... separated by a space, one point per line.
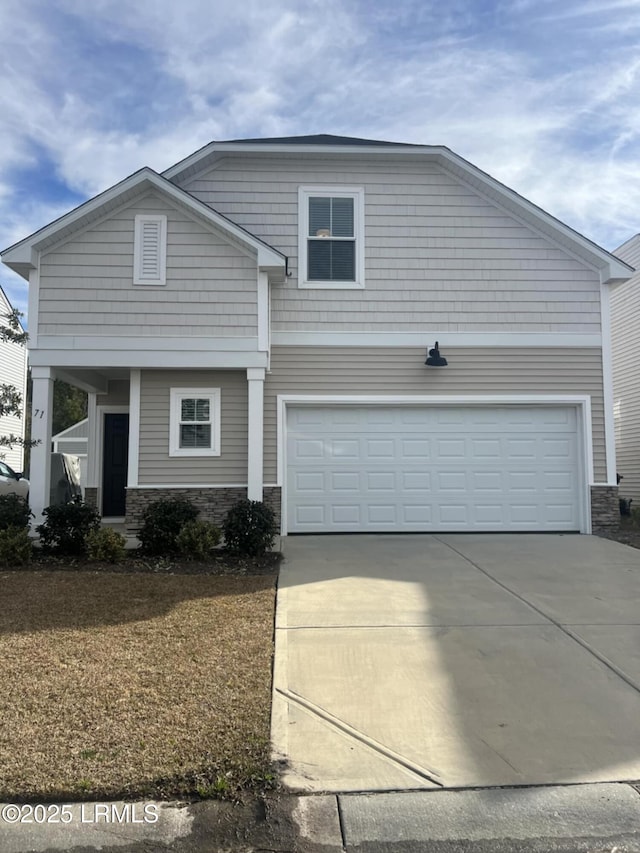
x=129 y=456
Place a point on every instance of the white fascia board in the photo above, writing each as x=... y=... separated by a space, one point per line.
x=422 y=339
x=159 y=359
x=25 y=252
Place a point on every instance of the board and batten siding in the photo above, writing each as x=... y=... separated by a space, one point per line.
x=357 y=371
x=625 y=339
x=437 y=254
x=156 y=467
x=13 y=371
x=86 y=285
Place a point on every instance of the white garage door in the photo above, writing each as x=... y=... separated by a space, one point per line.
x=405 y=468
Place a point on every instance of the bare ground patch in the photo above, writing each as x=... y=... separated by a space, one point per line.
x=129 y=684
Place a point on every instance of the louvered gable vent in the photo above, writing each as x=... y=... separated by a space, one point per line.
x=150 y=250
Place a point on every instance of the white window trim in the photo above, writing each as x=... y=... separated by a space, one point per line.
x=140 y=221
x=357 y=194
x=176 y=397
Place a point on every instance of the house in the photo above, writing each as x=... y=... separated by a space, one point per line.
x=625 y=334
x=13 y=372
x=74 y=440
x=255 y=321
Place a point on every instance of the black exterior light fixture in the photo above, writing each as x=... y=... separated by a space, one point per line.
x=434 y=359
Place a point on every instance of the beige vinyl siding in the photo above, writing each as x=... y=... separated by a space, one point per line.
x=369 y=371
x=86 y=285
x=625 y=336
x=117 y=394
x=13 y=359
x=156 y=466
x=436 y=252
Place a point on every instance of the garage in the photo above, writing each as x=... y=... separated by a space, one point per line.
x=421 y=468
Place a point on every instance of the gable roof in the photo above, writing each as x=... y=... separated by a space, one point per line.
x=22 y=256
x=316 y=139
x=610 y=267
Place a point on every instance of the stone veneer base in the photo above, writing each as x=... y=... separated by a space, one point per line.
x=213 y=503
x=605 y=509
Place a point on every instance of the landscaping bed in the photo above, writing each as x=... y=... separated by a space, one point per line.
x=149 y=678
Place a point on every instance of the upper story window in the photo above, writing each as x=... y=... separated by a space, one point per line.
x=194 y=426
x=150 y=249
x=331 y=238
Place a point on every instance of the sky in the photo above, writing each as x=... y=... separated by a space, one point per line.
x=544 y=95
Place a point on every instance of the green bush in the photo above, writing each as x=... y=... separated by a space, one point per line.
x=106 y=544
x=14 y=512
x=249 y=528
x=67 y=526
x=197 y=539
x=162 y=521
x=15 y=547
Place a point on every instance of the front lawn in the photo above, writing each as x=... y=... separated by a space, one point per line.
x=134 y=684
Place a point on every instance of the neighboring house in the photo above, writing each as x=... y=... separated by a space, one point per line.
x=13 y=372
x=625 y=332
x=255 y=320
x=74 y=440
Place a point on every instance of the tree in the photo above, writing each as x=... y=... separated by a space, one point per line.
x=69 y=406
x=10 y=398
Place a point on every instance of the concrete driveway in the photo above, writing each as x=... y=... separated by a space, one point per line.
x=428 y=661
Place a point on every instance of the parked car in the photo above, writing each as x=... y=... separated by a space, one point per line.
x=12 y=483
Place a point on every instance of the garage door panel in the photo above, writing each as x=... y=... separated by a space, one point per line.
x=415 y=468
x=381 y=481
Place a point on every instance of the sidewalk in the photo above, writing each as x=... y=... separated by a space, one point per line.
x=598 y=817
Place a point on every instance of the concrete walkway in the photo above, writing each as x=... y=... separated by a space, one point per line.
x=455 y=661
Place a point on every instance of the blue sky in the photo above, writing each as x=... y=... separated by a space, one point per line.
x=543 y=95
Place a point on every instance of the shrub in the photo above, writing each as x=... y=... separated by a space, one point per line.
x=14 y=512
x=106 y=544
x=197 y=539
x=249 y=528
x=67 y=527
x=162 y=521
x=15 y=546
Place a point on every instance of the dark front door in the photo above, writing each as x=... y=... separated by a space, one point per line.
x=114 y=465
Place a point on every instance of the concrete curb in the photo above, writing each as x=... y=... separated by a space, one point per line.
x=602 y=817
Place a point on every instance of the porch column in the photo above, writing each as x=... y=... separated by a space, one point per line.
x=41 y=420
x=255 y=379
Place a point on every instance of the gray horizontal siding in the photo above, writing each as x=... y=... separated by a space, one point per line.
x=156 y=466
x=86 y=285
x=436 y=251
x=625 y=336
x=370 y=371
x=117 y=394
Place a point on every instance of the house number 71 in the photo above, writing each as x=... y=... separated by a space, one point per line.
x=38 y=413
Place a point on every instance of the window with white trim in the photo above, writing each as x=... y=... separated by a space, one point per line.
x=194 y=425
x=150 y=249
x=331 y=237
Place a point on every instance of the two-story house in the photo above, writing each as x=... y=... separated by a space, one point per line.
x=256 y=321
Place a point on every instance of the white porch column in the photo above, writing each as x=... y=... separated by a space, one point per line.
x=41 y=420
x=255 y=379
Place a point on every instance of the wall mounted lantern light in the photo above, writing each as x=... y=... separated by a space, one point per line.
x=434 y=359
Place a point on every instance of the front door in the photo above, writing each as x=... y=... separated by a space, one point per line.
x=114 y=464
